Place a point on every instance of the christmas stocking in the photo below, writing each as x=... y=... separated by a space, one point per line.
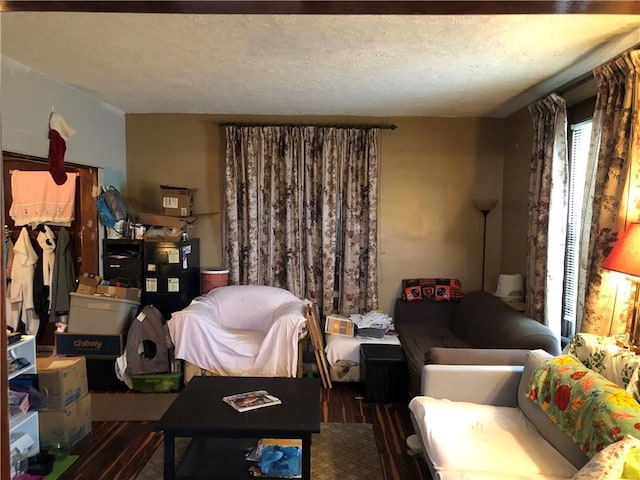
x=59 y=132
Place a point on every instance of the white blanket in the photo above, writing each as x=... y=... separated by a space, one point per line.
x=233 y=331
x=341 y=347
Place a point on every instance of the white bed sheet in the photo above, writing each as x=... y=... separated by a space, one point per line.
x=340 y=347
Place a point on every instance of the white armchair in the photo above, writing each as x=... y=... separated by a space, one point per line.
x=241 y=330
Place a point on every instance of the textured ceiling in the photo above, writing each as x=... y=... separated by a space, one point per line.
x=370 y=65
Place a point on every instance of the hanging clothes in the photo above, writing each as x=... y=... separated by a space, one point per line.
x=44 y=246
x=8 y=261
x=64 y=276
x=21 y=289
x=47 y=241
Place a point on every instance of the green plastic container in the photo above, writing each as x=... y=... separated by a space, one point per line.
x=157 y=382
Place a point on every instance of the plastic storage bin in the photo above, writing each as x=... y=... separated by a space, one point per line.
x=157 y=382
x=100 y=315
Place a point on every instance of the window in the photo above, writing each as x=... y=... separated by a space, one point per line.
x=580 y=137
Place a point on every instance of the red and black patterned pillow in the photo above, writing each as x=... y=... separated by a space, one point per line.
x=438 y=289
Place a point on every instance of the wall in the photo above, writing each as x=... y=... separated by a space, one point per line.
x=515 y=188
x=431 y=169
x=27 y=99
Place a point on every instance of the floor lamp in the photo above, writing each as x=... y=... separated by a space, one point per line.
x=625 y=259
x=485 y=205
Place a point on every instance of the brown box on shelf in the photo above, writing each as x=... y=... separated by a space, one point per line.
x=119 y=292
x=88 y=282
x=68 y=425
x=177 y=201
x=64 y=379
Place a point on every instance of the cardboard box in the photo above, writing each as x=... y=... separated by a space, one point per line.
x=119 y=292
x=63 y=380
x=88 y=282
x=107 y=346
x=339 y=325
x=177 y=201
x=100 y=315
x=68 y=425
x=155 y=220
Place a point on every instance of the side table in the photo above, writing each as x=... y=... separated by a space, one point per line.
x=383 y=370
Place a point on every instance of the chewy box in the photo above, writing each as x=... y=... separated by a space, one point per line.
x=90 y=345
x=68 y=425
x=100 y=315
x=156 y=382
x=62 y=380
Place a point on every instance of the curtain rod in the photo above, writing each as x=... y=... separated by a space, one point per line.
x=384 y=126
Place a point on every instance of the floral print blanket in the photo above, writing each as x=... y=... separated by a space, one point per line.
x=592 y=410
x=602 y=354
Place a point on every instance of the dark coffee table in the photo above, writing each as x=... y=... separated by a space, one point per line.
x=199 y=412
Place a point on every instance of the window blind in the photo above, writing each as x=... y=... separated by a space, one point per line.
x=580 y=142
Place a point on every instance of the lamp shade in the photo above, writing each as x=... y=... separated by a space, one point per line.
x=625 y=256
x=485 y=204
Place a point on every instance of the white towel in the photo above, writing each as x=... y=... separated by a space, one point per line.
x=37 y=199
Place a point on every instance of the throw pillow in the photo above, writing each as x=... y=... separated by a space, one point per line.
x=592 y=410
x=431 y=289
x=610 y=462
x=603 y=355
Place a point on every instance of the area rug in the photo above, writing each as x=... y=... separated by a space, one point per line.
x=342 y=451
x=129 y=407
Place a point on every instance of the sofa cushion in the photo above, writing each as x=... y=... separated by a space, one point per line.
x=485 y=321
x=475 y=356
x=591 y=409
x=436 y=314
x=469 y=437
x=540 y=420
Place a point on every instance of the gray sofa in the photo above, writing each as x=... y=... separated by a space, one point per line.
x=479 y=329
x=489 y=402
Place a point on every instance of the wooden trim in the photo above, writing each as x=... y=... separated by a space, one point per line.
x=84 y=229
x=5 y=454
x=319 y=7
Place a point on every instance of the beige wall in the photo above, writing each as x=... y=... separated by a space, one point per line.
x=431 y=169
x=517 y=162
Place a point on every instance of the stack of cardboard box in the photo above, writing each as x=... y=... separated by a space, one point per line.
x=99 y=317
x=66 y=417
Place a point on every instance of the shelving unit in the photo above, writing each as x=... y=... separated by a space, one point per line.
x=28 y=422
x=122 y=261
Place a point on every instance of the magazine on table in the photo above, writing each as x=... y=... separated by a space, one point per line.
x=243 y=402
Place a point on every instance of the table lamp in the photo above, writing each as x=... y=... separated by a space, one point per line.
x=625 y=259
x=485 y=205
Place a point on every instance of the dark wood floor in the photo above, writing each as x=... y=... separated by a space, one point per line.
x=119 y=450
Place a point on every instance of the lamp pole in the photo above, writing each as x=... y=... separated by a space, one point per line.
x=485 y=205
x=484 y=243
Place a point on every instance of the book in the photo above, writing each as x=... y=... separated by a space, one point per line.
x=243 y=402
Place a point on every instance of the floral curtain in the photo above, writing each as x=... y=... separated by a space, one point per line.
x=301 y=212
x=613 y=199
x=547 y=212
